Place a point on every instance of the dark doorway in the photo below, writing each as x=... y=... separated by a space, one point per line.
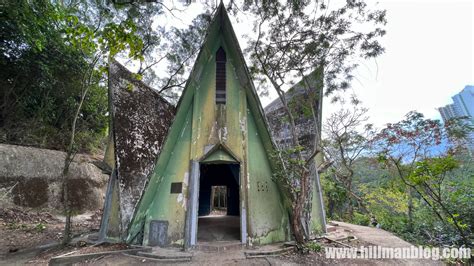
x=219 y=208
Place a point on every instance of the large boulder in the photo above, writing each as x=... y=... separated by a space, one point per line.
x=31 y=177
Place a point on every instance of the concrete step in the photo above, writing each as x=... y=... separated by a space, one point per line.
x=164 y=256
x=219 y=246
x=158 y=260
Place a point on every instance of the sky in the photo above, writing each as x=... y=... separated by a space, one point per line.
x=429 y=58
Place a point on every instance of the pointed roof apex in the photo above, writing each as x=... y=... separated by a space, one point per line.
x=221 y=4
x=221 y=10
x=221 y=27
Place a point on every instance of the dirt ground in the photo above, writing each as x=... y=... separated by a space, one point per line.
x=22 y=230
x=365 y=236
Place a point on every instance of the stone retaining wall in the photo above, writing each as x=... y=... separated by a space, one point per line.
x=34 y=178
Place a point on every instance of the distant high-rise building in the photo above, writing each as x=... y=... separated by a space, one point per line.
x=447 y=112
x=463 y=106
x=464 y=102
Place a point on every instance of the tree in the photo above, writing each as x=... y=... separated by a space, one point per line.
x=171 y=48
x=54 y=58
x=182 y=51
x=348 y=136
x=93 y=45
x=40 y=80
x=428 y=180
x=300 y=39
x=412 y=148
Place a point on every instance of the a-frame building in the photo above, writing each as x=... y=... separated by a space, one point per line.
x=219 y=137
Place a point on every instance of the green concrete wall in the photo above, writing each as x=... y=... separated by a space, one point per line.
x=196 y=127
x=268 y=220
x=199 y=124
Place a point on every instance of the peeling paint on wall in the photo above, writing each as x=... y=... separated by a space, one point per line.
x=140 y=122
x=239 y=126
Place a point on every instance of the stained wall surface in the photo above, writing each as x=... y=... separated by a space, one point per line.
x=140 y=122
x=199 y=124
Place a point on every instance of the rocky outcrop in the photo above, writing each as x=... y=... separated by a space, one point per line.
x=34 y=178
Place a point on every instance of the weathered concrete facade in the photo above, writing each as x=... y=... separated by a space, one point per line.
x=219 y=132
x=204 y=131
x=140 y=119
x=298 y=98
x=301 y=98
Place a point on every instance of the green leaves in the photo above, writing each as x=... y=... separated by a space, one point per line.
x=79 y=36
x=116 y=38
x=51 y=54
x=302 y=36
x=433 y=168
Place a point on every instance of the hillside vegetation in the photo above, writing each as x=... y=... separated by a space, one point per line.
x=414 y=178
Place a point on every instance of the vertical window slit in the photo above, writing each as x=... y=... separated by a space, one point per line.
x=220 y=76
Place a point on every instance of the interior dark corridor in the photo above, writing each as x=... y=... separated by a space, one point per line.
x=222 y=179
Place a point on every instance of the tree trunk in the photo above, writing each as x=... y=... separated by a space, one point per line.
x=296 y=223
x=298 y=210
x=218 y=197
x=350 y=211
x=410 y=209
x=71 y=153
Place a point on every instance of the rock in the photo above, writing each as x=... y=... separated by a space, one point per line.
x=34 y=177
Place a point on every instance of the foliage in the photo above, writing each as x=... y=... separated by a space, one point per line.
x=361 y=219
x=47 y=51
x=302 y=39
x=181 y=51
x=348 y=136
x=16 y=226
x=413 y=182
x=388 y=205
x=410 y=139
x=408 y=147
x=294 y=38
x=429 y=178
x=292 y=173
x=96 y=44
x=417 y=190
x=387 y=200
x=168 y=52
x=45 y=55
x=40 y=74
x=40 y=227
x=335 y=198
x=53 y=65
x=313 y=246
